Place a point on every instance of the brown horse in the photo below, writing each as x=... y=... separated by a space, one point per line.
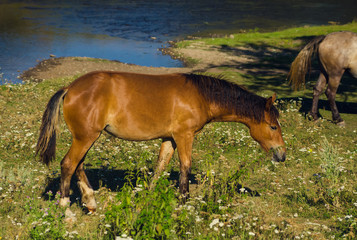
x=336 y=52
x=136 y=107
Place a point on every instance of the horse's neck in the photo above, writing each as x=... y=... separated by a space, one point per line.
x=219 y=114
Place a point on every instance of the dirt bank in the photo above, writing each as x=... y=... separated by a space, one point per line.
x=207 y=59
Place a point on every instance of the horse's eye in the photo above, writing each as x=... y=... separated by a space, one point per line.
x=273 y=127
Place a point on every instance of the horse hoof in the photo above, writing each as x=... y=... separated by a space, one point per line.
x=91 y=210
x=312 y=117
x=317 y=120
x=341 y=124
x=89 y=204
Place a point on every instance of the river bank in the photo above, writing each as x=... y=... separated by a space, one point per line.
x=199 y=58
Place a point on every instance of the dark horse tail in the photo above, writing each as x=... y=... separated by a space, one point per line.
x=302 y=63
x=46 y=144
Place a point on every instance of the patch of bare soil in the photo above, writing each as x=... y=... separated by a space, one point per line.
x=71 y=66
x=206 y=59
x=213 y=59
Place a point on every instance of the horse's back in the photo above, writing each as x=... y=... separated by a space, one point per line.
x=340 y=40
x=339 y=51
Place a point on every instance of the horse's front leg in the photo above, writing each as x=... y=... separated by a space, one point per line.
x=167 y=149
x=318 y=90
x=184 y=148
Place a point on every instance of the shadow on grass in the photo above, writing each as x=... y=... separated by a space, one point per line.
x=114 y=180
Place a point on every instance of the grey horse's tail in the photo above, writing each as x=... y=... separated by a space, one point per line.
x=302 y=63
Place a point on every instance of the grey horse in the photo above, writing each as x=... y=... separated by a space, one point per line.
x=336 y=53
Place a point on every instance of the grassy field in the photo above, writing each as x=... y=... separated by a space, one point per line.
x=236 y=191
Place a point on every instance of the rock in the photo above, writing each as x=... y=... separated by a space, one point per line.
x=70 y=217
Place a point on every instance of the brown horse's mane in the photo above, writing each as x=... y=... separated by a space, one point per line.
x=231 y=96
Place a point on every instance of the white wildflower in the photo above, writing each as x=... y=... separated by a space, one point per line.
x=189 y=207
x=123 y=238
x=240 y=216
x=222 y=207
x=214 y=222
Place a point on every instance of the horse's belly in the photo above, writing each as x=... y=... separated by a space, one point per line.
x=134 y=133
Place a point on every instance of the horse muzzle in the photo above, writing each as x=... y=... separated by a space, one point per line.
x=279 y=154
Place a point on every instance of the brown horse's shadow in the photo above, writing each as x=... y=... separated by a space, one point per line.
x=114 y=180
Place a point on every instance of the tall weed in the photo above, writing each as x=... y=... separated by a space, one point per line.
x=142 y=213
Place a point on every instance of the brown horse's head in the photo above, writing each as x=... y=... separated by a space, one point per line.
x=268 y=132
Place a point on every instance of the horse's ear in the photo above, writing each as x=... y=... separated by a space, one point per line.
x=270 y=102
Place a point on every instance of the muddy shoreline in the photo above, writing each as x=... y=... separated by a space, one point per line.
x=75 y=66
x=206 y=59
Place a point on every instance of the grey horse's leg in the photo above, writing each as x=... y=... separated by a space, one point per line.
x=331 y=90
x=318 y=90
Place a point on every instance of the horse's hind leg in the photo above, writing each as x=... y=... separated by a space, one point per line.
x=167 y=149
x=72 y=162
x=88 y=199
x=318 y=90
x=331 y=90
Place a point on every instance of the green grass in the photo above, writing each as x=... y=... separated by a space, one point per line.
x=289 y=38
x=236 y=191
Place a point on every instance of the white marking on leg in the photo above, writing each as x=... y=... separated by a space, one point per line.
x=64 y=202
x=88 y=199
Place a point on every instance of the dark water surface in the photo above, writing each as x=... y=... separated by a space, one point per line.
x=132 y=31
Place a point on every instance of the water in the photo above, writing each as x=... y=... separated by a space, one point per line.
x=132 y=31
